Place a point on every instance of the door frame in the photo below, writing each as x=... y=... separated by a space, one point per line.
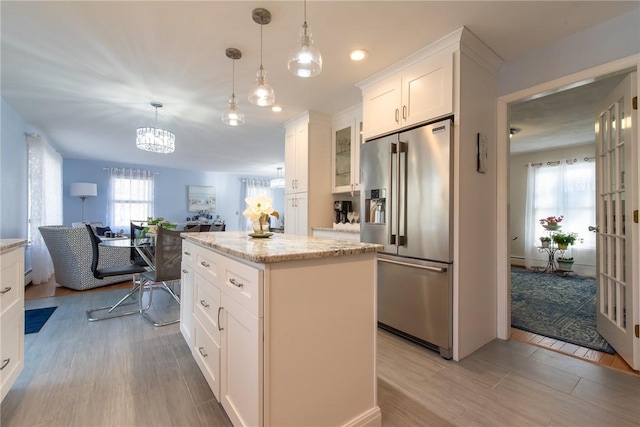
x=503 y=291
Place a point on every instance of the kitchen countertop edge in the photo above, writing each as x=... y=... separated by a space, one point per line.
x=278 y=248
x=8 y=244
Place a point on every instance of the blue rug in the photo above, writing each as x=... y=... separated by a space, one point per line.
x=559 y=307
x=35 y=319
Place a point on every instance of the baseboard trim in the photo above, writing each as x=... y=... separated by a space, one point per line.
x=370 y=418
x=27 y=277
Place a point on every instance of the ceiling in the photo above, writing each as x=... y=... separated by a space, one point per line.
x=84 y=73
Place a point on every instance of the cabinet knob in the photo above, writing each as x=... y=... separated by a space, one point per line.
x=219 y=310
x=187 y=253
x=205 y=264
x=5 y=362
x=404 y=112
x=5 y=290
x=185 y=271
x=204 y=303
x=397 y=116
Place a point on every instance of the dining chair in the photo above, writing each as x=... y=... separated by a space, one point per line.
x=166 y=272
x=135 y=233
x=101 y=273
x=218 y=227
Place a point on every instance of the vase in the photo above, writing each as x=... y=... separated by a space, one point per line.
x=545 y=244
x=562 y=246
x=565 y=266
x=260 y=228
x=551 y=226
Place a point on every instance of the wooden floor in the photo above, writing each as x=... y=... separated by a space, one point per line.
x=125 y=372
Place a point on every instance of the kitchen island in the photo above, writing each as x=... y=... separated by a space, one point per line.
x=284 y=328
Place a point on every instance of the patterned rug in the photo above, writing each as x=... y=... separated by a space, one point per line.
x=35 y=319
x=558 y=307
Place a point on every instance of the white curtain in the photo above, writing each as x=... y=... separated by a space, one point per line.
x=45 y=203
x=568 y=190
x=130 y=196
x=251 y=188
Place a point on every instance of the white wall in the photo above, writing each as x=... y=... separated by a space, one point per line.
x=603 y=43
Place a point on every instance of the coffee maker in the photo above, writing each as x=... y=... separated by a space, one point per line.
x=341 y=208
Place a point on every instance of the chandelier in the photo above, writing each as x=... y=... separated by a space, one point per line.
x=155 y=139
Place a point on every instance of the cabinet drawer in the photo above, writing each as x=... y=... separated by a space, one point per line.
x=244 y=284
x=11 y=346
x=208 y=264
x=206 y=352
x=206 y=305
x=189 y=253
x=12 y=285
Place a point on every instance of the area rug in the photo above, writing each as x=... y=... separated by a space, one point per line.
x=35 y=319
x=559 y=307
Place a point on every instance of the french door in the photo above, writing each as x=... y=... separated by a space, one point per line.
x=617 y=194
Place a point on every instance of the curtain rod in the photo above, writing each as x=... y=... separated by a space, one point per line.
x=136 y=170
x=557 y=162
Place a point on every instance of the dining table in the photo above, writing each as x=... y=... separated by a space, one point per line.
x=143 y=245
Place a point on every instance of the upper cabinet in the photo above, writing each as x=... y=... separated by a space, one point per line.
x=347 y=137
x=417 y=93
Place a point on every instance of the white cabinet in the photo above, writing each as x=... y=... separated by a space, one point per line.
x=308 y=173
x=337 y=235
x=345 y=151
x=417 y=93
x=296 y=213
x=11 y=318
x=225 y=332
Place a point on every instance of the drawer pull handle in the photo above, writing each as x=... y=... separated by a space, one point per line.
x=187 y=253
x=5 y=290
x=205 y=264
x=200 y=349
x=204 y=303
x=219 y=310
x=236 y=284
x=5 y=362
x=185 y=271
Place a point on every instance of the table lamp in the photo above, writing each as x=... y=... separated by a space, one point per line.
x=84 y=190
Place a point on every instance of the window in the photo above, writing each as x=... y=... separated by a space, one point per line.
x=130 y=196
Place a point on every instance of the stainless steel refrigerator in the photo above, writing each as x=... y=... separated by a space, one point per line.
x=406 y=206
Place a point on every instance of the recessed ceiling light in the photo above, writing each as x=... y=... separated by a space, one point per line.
x=358 y=54
x=276 y=108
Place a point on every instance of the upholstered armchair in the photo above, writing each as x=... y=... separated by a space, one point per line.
x=71 y=252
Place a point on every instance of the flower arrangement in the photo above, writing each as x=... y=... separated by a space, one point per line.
x=545 y=239
x=259 y=209
x=564 y=239
x=551 y=220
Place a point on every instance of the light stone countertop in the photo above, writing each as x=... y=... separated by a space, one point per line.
x=339 y=230
x=279 y=247
x=8 y=244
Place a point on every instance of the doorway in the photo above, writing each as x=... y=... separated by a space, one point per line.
x=560 y=85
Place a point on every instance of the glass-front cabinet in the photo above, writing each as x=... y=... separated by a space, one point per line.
x=347 y=137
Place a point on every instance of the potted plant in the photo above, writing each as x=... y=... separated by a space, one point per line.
x=565 y=264
x=259 y=210
x=564 y=240
x=545 y=241
x=551 y=222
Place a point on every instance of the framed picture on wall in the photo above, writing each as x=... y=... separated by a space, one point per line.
x=201 y=198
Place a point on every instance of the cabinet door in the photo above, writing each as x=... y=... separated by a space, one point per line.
x=381 y=107
x=186 y=304
x=290 y=160
x=302 y=158
x=296 y=214
x=427 y=89
x=342 y=150
x=355 y=158
x=242 y=367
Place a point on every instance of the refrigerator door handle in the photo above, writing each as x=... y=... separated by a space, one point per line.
x=402 y=193
x=392 y=217
x=422 y=267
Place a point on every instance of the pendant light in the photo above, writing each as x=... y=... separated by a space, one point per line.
x=277 y=182
x=261 y=93
x=233 y=116
x=305 y=60
x=155 y=139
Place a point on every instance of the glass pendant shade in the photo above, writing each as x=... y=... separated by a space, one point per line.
x=261 y=93
x=305 y=60
x=232 y=116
